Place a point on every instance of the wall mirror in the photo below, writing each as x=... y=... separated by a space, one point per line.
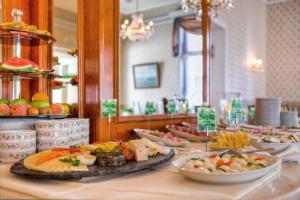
x=65 y=53
x=159 y=62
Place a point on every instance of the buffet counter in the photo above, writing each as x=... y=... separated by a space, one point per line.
x=159 y=183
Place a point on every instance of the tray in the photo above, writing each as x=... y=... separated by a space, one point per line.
x=190 y=137
x=94 y=170
x=28 y=75
x=146 y=134
x=26 y=35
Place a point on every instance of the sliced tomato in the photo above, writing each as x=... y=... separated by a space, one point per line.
x=220 y=162
x=48 y=158
x=258 y=158
x=73 y=150
x=60 y=149
x=229 y=163
x=213 y=155
x=128 y=154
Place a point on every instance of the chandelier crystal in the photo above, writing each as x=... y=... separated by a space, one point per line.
x=214 y=6
x=136 y=30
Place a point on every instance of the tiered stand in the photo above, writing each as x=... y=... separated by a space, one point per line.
x=17 y=38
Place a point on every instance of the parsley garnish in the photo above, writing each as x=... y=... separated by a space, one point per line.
x=197 y=159
x=74 y=162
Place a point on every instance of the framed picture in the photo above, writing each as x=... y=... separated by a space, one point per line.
x=146 y=75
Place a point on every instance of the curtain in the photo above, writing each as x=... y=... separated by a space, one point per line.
x=182 y=62
x=181 y=25
x=189 y=24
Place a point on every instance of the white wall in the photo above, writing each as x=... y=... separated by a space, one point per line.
x=245 y=27
x=283 y=55
x=157 y=49
x=218 y=66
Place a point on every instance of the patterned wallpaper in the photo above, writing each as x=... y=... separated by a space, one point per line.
x=283 y=50
x=246 y=35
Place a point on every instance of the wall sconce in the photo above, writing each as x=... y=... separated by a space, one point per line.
x=256 y=65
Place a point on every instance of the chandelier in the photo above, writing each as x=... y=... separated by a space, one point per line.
x=136 y=30
x=214 y=6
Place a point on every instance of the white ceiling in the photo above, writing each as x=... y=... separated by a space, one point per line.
x=126 y=6
x=129 y=6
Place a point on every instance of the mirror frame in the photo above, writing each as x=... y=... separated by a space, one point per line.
x=206 y=33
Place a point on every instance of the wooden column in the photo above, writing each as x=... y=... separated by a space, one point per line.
x=42 y=16
x=206 y=33
x=96 y=30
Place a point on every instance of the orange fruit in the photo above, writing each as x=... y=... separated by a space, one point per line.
x=40 y=96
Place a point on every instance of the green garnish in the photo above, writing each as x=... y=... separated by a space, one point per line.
x=74 y=162
x=237 y=155
x=218 y=168
x=249 y=164
x=261 y=165
x=197 y=159
x=210 y=169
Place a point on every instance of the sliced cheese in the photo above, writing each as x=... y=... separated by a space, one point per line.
x=139 y=149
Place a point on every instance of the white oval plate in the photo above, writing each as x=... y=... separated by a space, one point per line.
x=224 y=178
x=276 y=146
x=187 y=136
x=143 y=133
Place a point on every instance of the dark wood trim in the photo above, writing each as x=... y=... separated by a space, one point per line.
x=135 y=119
x=81 y=71
x=206 y=33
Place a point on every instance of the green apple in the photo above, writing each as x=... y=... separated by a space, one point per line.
x=4 y=101
x=40 y=104
x=18 y=101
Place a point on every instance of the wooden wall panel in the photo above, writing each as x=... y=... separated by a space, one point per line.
x=42 y=16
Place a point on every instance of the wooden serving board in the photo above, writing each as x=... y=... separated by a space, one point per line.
x=94 y=170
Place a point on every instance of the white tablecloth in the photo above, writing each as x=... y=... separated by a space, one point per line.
x=161 y=183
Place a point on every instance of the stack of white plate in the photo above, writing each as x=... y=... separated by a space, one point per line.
x=52 y=134
x=75 y=131
x=289 y=118
x=267 y=111
x=16 y=145
x=85 y=131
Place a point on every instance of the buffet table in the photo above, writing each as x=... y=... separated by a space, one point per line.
x=160 y=183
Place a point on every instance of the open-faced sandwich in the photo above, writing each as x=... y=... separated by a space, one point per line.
x=60 y=160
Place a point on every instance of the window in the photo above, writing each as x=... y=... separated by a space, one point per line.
x=193 y=68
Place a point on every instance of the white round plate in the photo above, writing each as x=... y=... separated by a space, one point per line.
x=276 y=146
x=188 y=125
x=187 y=136
x=252 y=126
x=224 y=178
x=143 y=133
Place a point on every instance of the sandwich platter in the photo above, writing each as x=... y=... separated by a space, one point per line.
x=101 y=160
